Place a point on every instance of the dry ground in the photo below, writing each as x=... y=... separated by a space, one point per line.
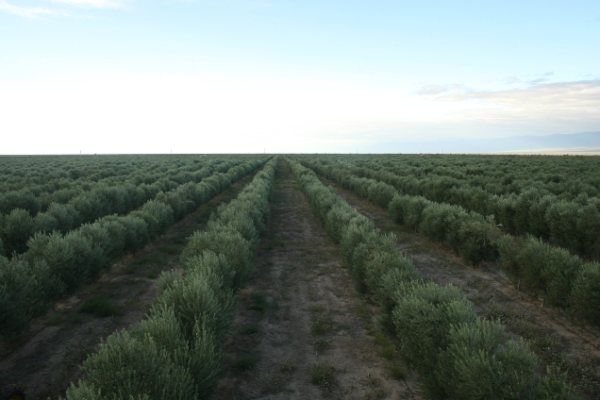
x=302 y=331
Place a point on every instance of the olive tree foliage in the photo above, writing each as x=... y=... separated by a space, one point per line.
x=458 y=354
x=15 y=228
x=536 y=266
x=78 y=256
x=176 y=351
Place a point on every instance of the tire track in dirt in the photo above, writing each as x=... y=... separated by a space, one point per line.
x=556 y=339
x=49 y=358
x=298 y=332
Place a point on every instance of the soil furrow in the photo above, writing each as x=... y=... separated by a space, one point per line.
x=302 y=330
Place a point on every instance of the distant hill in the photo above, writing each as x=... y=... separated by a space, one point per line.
x=576 y=143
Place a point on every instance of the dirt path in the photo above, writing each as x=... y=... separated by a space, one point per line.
x=45 y=361
x=552 y=335
x=302 y=330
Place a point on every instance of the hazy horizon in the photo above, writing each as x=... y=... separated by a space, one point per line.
x=206 y=76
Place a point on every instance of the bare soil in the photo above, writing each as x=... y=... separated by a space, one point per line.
x=558 y=340
x=302 y=331
x=48 y=357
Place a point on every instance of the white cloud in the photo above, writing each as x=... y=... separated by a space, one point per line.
x=537 y=100
x=57 y=7
x=560 y=100
x=27 y=11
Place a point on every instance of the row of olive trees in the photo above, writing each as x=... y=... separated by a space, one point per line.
x=176 y=351
x=562 y=279
x=57 y=181
x=497 y=174
x=18 y=226
x=458 y=354
x=56 y=264
x=569 y=223
x=34 y=190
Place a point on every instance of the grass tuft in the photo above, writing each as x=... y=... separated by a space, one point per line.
x=323 y=375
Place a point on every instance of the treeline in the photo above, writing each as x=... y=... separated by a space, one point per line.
x=18 y=226
x=56 y=264
x=176 y=351
x=571 y=223
x=458 y=354
x=560 y=278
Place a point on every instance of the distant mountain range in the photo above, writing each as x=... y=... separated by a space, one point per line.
x=576 y=143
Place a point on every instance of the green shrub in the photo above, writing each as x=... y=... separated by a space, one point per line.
x=396 y=208
x=20 y=282
x=198 y=353
x=157 y=216
x=336 y=221
x=103 y=243
x=546 y=270
x=216 y=270
x=554 y=386
x=66 y=216
x=438 y=221
x=476 y=240
x=537 y=217
x=380 y=193
x=197 y=299
x=523 y=205
x=358 y=230
x=585 y=294
x=136 y=231
x=507 y=249
x=588 y=226
x=408 y=210
x=180 y=201
x=358 y=242
x=45 y=223
x=67 y=256
x=23 y=198
x=561 y=218
x=241 y=224
x=86 y=391
x=505 y=210
x=392 y=282
x=480 y=363
x=227 y=242
x=16 y=228
x=422 y=318
x=166 y=279
x=127 y=365
x=382 y=261
x=117 y=234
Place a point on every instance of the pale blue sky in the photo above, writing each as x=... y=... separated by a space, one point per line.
x=245 y=75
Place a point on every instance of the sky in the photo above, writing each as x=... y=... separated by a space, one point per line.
x=185 y=76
